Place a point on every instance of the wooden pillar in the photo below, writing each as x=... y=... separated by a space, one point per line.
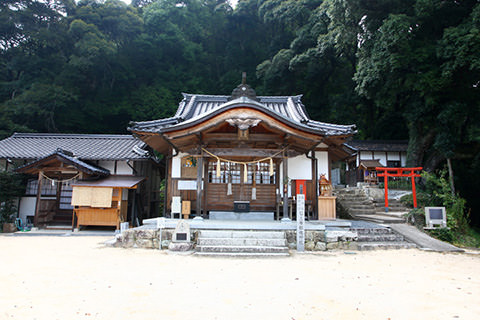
x=285 y=186
x=199 y=185
x=205 y=187
x=39 y=195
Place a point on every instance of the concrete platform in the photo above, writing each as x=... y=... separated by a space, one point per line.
x=245 y=225
x=247 y=216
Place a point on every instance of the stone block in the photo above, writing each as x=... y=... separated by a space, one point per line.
x=165 y=244
x=292 y=245
x=320 y=246
x=144 y=243
x=146 y=233
x=319 y=236
x=309 y=235
x=351 y=245
x=331 y=237
x=167 y=234
x=333 y=245
x=309 y=245
x=291 y=236
x=180 y=246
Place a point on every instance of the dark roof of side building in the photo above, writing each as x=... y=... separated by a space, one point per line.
x=378 y=145
x=197 y=106
x=60 y=155
x=83 y=146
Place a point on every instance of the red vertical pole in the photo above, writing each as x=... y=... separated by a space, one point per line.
x=414 y=192
x=386 y=191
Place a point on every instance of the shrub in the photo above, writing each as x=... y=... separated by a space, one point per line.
x=444 y=234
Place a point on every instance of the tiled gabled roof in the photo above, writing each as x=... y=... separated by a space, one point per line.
x=289 y=108
x=68 y=159
x=83 y=146
x=379 y=145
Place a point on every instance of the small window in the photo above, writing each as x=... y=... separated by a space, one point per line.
x=394 y=164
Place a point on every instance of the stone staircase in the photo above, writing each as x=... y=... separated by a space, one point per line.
x=381 y=238
x=359 y=206
x=241 y=243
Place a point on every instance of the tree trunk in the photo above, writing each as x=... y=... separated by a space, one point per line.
x=450 y=175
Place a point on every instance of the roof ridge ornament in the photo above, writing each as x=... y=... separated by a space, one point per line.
x=243 y=90
x=243 y=123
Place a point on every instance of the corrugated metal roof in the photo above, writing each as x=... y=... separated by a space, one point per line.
x=290 y=108
x=83 y=146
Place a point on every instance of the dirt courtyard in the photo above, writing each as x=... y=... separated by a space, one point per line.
x=79 y=278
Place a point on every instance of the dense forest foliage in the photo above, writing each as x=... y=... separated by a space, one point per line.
x=399 y=69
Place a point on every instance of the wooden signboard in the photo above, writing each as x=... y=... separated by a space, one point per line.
x=186 y=209
x=92 y=197
x=189 y=167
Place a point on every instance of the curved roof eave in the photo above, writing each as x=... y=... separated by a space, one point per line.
x=248 y=103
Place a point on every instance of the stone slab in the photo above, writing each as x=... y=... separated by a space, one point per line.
x=248 y=216
x=423 y=240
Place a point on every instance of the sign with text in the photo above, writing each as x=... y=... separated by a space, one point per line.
x=300 y=222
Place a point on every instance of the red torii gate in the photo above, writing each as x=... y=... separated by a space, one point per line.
x=399 y=172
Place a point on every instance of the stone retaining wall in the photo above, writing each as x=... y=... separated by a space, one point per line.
x=314 y=240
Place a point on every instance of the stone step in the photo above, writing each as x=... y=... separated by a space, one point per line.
x=392 y=208
x=362 y=246
x=357 y=204
x=242 y=234
x=392 y=211
x=361 y=207
x=373 y=231
x=242 y=242
x=377 y=218
x=357 y=212
x=354 y=198
x=243 y=254
x=391 y=237
x=242 y=249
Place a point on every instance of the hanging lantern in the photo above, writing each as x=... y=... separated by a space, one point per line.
x=325 y=186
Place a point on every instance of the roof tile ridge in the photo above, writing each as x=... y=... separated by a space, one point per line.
x=69 y=135
x=332 y=124
x=294 y=110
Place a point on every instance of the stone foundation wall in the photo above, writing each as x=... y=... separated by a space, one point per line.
x=314 y=240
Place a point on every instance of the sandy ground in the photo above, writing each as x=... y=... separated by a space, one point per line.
x=80 y=278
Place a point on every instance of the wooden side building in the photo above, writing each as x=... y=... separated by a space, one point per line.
x=56 y=162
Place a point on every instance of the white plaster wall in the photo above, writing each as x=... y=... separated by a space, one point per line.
x=27 y=207
x=393 y=156
x=403 y=160
x=365 y=155
x=300 y=168
x=109 y=165
x=382 y=156
x=322 y=166
x=177 y=165
x=123 y=168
